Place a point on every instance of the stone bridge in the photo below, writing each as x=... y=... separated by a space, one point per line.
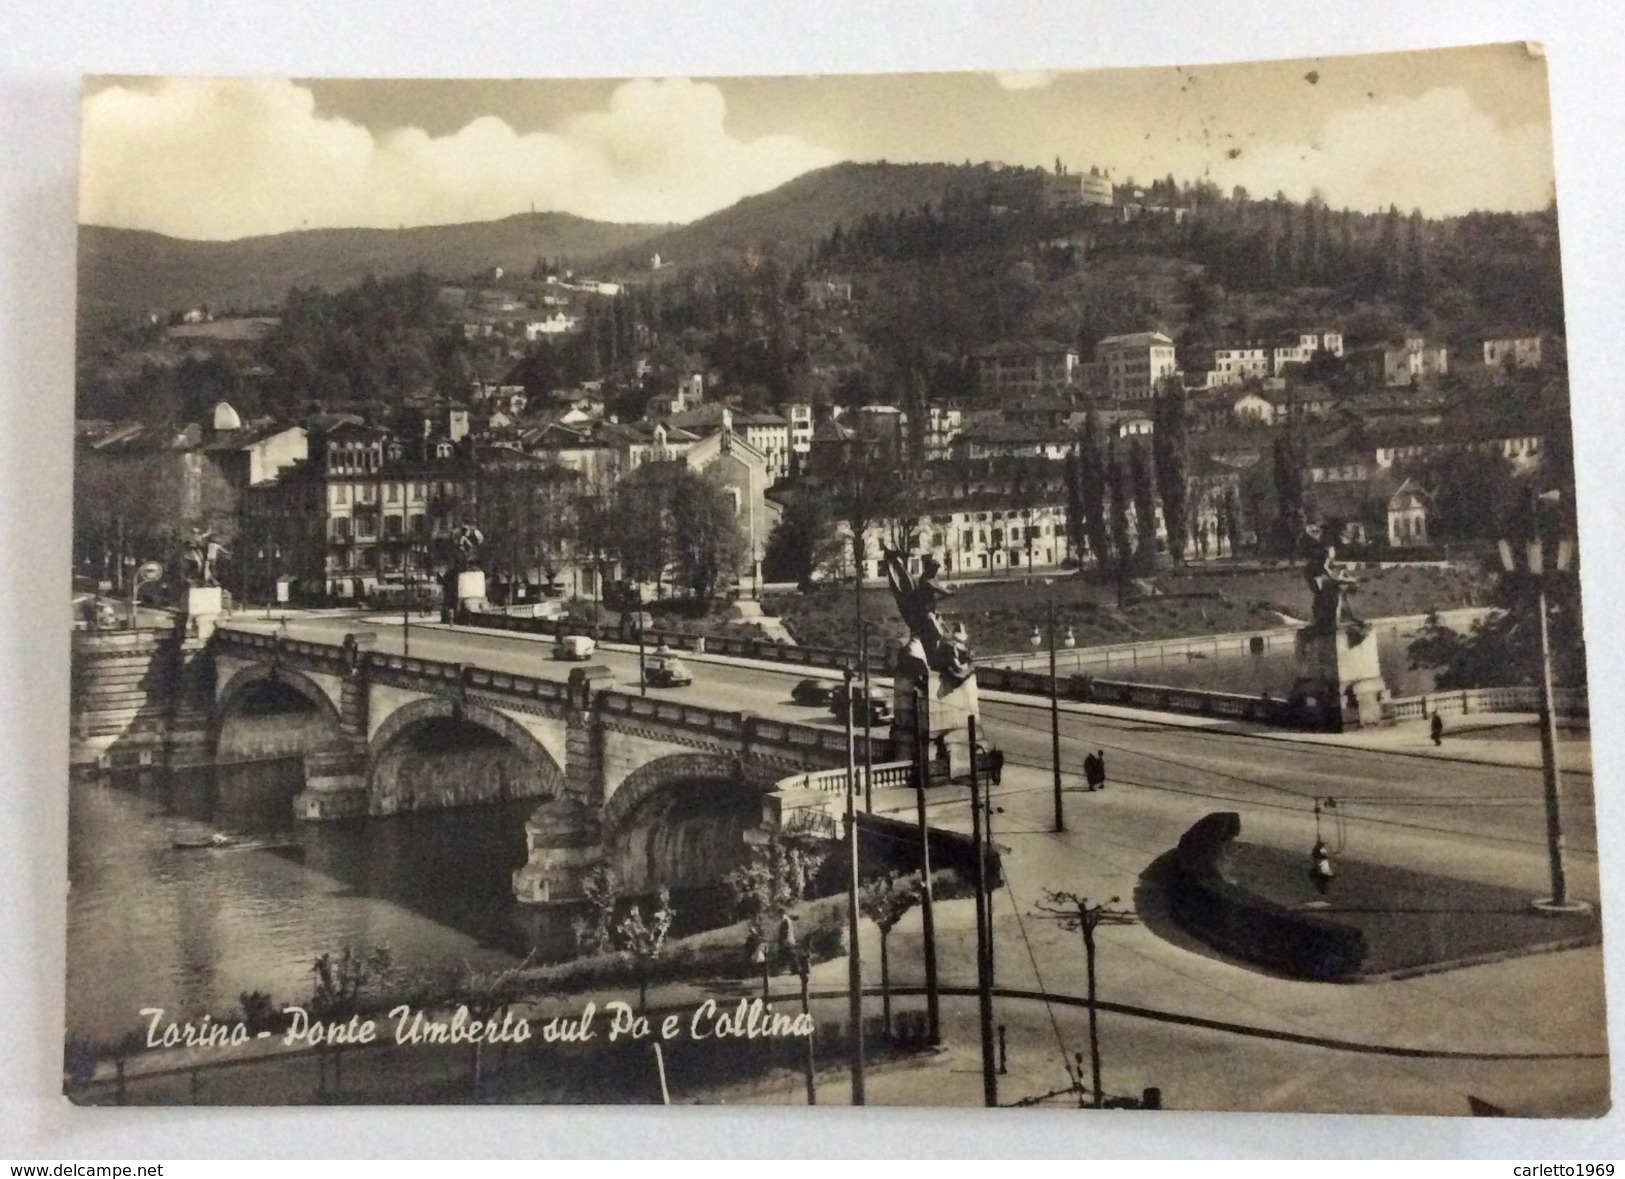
x=664 y=792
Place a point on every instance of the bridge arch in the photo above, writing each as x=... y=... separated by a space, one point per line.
x=268 y=712
x=439 y=752
x=680 y=821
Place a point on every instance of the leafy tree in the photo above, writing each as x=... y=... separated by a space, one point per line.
x=707 y=543
x=886 y=900
x=594 y=929
x=803 y=542
x=645 y=939
x=339 y=982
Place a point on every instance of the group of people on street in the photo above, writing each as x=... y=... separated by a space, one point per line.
x=1094 y=770
x=1094 y=767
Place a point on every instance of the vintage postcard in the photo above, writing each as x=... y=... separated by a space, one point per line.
x=1045 y=589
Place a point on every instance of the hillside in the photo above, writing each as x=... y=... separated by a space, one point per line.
x=126 y=272
x=795 y=215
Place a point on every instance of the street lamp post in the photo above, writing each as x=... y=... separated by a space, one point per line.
x=984 y=937
x=643 y=674
x=1534 y=556
x=1054 y=712
x=868 y=723
x=854 y=962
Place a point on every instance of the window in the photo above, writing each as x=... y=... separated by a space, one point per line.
x=366 y=527
x=340 y=528
x=392 y=493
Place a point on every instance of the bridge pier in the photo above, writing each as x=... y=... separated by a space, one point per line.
x=564 y=841
x=335 y=785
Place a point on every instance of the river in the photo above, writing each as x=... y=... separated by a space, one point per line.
x=189 y=930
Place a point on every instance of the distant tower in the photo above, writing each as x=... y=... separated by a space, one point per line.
x=226 y=419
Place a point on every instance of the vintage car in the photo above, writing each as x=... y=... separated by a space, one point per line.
x=852 y=700
x=575 y=648
x=817 y=692
x=666 y=671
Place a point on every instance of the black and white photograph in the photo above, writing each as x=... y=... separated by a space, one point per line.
x=1052 y=589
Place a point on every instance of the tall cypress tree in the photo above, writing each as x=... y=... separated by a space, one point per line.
x=1170 y=451
x=1092 y=492
x=1122 y=540
x=1145 y=506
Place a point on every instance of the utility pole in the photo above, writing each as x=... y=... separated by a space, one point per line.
x=854 y=963
x=928 y=923
x=1535 y=561
x=868 y=720
x=1055 y=720
x=984 y=935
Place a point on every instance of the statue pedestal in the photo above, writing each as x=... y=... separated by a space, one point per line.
x=1340 y=684
x=947 y=720
x=471 y=589
x=202 y=609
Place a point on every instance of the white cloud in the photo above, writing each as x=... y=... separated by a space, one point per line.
x=1024 y=79
x=207 y=158
x=1438 y=152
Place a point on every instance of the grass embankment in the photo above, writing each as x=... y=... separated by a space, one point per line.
x=1000 y=615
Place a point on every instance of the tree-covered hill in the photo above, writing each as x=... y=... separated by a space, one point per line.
x=125 y=273
x=789 y=220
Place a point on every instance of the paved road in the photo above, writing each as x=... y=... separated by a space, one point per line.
x=1467 y=820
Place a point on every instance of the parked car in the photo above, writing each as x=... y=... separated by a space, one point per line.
x=818 y=692
x=852 y=700
x=576 y=648
x=666 y=671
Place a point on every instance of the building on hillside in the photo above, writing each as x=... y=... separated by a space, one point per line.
x=1135 y=363
x=1411 y=362
x=557 y=324
x=942 y=425
x=1236 y=366
x=768 y=433
x=1097 y=188
x=800 y=416
x=1407 y=512
x=1302 y=349
x=1253 y=408
x=999 y=439
x=1017 y=369
x=824 y=293
x=1510 y=351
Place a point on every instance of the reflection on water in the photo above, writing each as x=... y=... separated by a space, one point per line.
x=150 y=925
x=190 y=929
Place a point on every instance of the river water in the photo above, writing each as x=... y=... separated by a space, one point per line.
x=189 y=930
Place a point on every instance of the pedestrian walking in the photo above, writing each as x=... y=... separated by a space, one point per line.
x=995 y=766
x=1088 y=771
x=1436 y=727
x=1320 y=867
x=1100 y=769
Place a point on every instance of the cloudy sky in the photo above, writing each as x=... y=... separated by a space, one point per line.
x=1444 y=131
